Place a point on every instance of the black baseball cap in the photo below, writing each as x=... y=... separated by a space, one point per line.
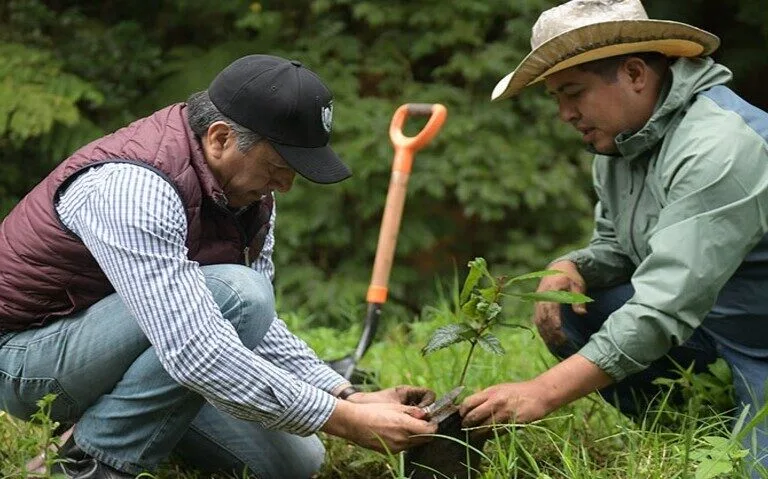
x=288 y=105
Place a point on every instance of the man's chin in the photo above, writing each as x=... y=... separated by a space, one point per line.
x=598 y=150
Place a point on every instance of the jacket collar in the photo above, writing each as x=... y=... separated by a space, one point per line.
x=687 y=78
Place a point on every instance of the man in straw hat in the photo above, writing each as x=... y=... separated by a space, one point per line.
x=677 y=263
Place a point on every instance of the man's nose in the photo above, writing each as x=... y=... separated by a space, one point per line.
x=567 y=112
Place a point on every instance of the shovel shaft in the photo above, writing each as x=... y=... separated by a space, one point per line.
x=405 y=147
x=390 y=226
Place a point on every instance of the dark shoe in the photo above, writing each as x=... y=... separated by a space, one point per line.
x=74 y=463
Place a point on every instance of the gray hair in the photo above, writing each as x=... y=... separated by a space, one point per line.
x=201 y=113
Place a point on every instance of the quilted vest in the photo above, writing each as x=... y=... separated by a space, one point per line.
x=46 y=272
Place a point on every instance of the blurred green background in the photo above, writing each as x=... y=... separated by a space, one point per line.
x=505 y=180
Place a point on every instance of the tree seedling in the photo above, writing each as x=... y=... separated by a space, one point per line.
x=476 y=313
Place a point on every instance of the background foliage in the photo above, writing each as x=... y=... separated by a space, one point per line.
x=504 y=181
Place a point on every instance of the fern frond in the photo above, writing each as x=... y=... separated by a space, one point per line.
x=35 y=94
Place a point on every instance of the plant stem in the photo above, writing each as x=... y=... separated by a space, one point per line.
x=466 y=363
x=486 y=324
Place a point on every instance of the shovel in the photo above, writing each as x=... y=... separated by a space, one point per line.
x=405 y=147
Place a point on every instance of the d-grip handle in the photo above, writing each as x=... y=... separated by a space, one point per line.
x=405 y=147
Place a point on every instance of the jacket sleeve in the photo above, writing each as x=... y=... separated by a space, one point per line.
x=716 y=212
x=602 y=262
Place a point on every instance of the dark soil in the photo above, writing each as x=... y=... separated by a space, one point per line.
x=451 y=458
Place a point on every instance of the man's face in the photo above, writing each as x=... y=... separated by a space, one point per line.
x=246 y=177
x=597 y=108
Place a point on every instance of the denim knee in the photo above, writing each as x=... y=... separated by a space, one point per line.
x=245 y=298
x=303 y=460
x=309 y=462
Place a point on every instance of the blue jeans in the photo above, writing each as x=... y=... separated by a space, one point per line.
x=749 y=364
x=130 y=413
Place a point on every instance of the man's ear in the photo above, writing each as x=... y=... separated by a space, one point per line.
x=215 y=140
x=637 y=71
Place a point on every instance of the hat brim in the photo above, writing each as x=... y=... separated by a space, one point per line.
x=603 y=40
x=319 y=165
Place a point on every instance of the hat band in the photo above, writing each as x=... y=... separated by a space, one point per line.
x=670 y=47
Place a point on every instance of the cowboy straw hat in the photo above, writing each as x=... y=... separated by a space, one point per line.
x=580 y=31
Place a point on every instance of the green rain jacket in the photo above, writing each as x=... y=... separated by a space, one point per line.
x=683 y=213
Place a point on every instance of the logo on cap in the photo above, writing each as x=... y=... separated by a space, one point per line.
x=327 y=116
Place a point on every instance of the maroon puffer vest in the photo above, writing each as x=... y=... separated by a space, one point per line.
x=46 y=272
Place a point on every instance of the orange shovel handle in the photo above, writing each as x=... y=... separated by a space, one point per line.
x=405 y=147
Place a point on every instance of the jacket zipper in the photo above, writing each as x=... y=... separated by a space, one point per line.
x=634 y=212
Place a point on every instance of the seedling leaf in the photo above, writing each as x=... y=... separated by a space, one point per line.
x=492 y=311
x=448 y=335
x=471 y=308
x=491 y=343
x=534 y=275
x=477 y=268
x=488 y=294
x=554 y=296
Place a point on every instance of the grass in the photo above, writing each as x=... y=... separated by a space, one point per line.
x=587 y=439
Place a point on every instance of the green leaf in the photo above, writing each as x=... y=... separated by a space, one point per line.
x=718 y=442
x=665 y=381
x=698 y=455
x=492 y=311
x=516 y=326
x=739 y=425
x=491 y=343
x=721 y=371
x=738 y=453
x=36 y=94
x=477 y=268
x=448 y=335
x=472 y=308
x=533 y=275
x=553 y=296
x=710 y=468
x=489 y=294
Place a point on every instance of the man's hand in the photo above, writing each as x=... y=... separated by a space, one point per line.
x=531 y=400
x=547 y=315
x=505 y=403
x=380 y=426
x=404 y=394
